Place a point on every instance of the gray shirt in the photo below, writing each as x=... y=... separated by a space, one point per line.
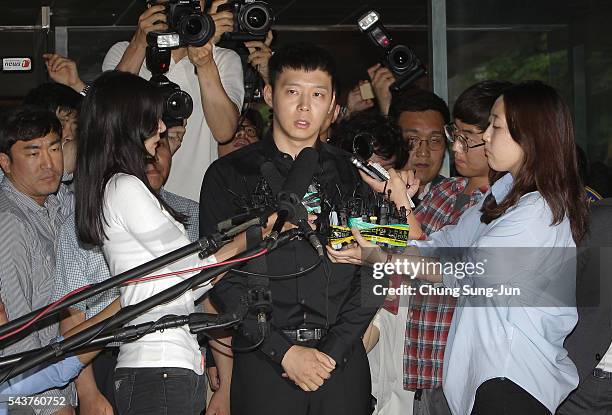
x=27 y=266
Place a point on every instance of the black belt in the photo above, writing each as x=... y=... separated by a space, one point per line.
x=601 y=374
x=304 y=335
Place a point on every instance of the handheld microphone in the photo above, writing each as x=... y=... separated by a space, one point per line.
x=295 y=187
x=290 y=207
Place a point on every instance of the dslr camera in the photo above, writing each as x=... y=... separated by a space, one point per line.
x=400 y=59
x=187 y=26
x=178 y=104
x=252 y=19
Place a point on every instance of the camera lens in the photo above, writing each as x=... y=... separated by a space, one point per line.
x=256 y=18
x=179 y=105
x=193 y=26
x=401 y=58
x=196 y=29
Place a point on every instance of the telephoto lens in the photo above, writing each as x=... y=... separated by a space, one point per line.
x=256 y=18
x=402 y=59
x=195 y=29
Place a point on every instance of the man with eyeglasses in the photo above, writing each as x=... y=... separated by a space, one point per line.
x=421 y=116
x=250 y=129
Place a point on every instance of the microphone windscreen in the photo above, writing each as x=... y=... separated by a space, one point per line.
x=300 y=175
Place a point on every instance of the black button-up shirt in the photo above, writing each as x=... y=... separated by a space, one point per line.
x=307 y=301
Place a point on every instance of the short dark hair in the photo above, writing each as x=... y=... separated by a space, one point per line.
x=26 y=123
x=474 y=104
x=387 y=136
x=256 y=119
x=303 y=56
x=53 y=97
x=418 y=100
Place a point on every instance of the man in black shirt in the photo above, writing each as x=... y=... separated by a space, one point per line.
x=312 y=361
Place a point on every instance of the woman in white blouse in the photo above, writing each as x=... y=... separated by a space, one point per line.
x=505 y=352
x=119 y=128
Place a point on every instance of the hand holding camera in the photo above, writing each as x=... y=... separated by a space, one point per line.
x=259 y=55
x=152 y=19
x=382 y=79
x=223 y=18
x=359 y=100
x=400 y=60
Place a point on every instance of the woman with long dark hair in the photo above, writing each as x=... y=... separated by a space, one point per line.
x=120 y=127
x=505 y=347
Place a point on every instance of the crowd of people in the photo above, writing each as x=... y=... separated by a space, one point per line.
x=93 y=183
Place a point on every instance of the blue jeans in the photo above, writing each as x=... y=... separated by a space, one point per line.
x=160 y=391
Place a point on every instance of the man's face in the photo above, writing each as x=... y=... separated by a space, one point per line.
x=424 y=129
x=158 y=167
x=472 y=163
x=301 y=101
x=35 y=167
x=68 y=119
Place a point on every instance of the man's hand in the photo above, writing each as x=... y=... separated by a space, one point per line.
x=224 y=21
x=219 y=403
x=201 y=56
x=260 y=54
x=213 y=378
x=151 y=20
x=63 y=71
x=382 y=78
x=175 y=136
x=307 y=367
x=95 y=405
x=355 y=253
x=355 y=102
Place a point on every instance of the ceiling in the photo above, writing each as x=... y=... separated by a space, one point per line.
x=312 y=12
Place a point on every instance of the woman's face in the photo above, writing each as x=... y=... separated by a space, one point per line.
x=151 y=142
x=503 y=153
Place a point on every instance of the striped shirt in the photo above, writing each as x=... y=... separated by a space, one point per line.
x=78 y=265
x=27 y=266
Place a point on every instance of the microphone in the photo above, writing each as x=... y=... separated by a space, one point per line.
x=295 y=187
x=290 y=197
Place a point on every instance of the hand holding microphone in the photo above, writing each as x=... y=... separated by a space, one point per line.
x=402 y=184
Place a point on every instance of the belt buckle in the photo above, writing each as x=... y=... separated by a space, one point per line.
x=601 y=374
x=298 y=335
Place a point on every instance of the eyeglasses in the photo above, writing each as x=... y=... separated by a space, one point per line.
x=452 y=135
x=248 y=130
x=434 y=143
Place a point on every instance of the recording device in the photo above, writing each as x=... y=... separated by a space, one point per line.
x=374 y=170
x=400 y=59
x=252 y=19
x=187 y=26
x=377 y=218
x=364 y=145
x=178 y=104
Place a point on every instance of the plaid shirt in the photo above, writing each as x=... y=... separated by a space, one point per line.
x=429 y=317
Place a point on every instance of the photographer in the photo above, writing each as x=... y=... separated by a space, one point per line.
x=217 y=81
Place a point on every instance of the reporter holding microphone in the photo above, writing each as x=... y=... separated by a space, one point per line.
x=505 y=352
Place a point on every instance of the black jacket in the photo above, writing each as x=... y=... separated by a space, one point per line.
x=308 y=301
x=591 y=338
